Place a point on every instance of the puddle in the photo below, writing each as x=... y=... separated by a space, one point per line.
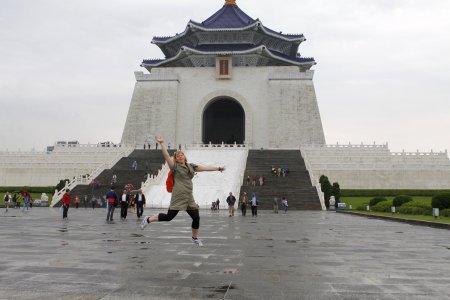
x=136 y=235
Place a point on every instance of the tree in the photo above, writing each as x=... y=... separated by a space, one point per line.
x=336 y=192
x=61 y=184
x=326 y=187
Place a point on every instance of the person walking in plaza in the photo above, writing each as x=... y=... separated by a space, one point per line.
x=243 y=202
x=284 y=204
x=66 y=203
x=85 y=200
x=275 y=205
x=77 y=201
x=218 y=204
x=254 y=203
x=139 y=199
x=7 y=199
x=14 y=200
x=124 y=202
x=231 y=200
x=182 y=191
x=111 y=198
x=26 y=200
x=93 y=201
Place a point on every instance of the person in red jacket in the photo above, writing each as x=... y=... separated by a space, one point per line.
x=66 y=203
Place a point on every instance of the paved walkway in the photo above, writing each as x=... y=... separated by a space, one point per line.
x=298 y=255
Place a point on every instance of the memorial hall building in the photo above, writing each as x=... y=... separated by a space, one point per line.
x=227 y=91
x=228 y=79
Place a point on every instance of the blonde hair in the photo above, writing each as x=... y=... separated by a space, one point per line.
x=175 y=155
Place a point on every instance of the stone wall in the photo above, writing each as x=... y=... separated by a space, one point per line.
x=48 y=168
x=280 y=105
x=376 y=167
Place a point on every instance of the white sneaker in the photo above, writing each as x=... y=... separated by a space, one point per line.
x=197 y=242
x=144 y=222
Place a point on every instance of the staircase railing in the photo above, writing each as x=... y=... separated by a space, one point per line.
x=85 y=180
x=314 y=182
x=154 y=179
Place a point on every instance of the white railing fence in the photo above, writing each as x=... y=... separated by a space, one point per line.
x=86 y=179
x=314 y=181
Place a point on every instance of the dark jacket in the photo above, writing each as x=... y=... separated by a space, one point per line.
x=126 y=202
x=231 y=200
x=136 y=199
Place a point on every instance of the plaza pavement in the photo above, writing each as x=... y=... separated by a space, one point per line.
x=298 y=255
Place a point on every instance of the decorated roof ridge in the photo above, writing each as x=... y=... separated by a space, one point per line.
x=230 y=2
x=276 y=55
x=230 y=15
x=257 y=23
x=229 y=18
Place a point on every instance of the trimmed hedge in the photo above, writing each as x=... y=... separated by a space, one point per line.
x=400 y=200
x=415 y=210
x=390 y=192
x=361 y=207
x=445 y=213
x=441 y=201
x=383 y=206
x=376 y=200
x=417 y=204
x=30 y=189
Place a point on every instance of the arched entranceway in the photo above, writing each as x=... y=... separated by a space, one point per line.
x=223 y=121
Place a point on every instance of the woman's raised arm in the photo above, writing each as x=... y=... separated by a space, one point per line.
x=165 y=153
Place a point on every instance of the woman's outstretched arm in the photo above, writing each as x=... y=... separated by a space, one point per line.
x=165 y=153
x=209 y=169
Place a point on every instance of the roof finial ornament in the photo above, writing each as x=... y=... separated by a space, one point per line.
x=230 y=2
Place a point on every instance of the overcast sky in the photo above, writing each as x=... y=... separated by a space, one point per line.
x=382 y=73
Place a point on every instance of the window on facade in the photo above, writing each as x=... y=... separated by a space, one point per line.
x=223 y=67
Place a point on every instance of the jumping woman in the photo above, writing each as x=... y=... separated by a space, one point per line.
x=182 y=196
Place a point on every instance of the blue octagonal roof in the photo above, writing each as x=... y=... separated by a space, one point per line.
x=229 y=16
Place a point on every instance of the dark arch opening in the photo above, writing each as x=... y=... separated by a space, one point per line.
x=223 y=121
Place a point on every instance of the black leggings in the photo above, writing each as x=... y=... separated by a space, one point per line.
x=172 y=213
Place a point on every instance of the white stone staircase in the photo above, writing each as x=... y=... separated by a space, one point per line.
x=208 y=186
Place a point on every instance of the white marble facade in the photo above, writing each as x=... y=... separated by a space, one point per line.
x=280 y=105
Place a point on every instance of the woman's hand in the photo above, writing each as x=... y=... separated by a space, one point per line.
x=159 y=139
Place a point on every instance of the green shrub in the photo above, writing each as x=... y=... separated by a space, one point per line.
x=376 y=200
x=400 y=200
x=445 y=213
x=415 y=203
x=414 y=210
x=441 y=201
x=361 y=207
x=390 y=192
x=383 y=206
x=30 y=189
